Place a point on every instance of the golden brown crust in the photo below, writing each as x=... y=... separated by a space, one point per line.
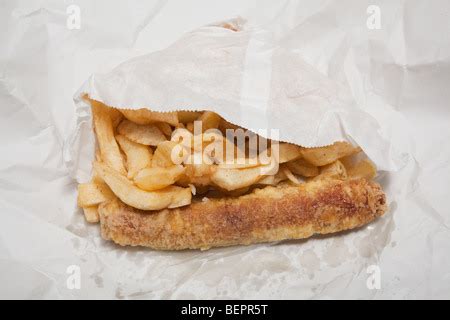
x=265 y=215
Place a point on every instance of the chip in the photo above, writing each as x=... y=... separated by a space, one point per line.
x=287 y=152
x=152 y=160
x=232 y=179
x=303 y=168
x=145 y=116
x=188 y=116
x=138 y=155
x=92 y=194
x=168 y=154
x=291 y=176
x=273 y=180
x=362 y=169
x=149 y=135
x=109 y=150
x=335 y=170
x=210 y=120
x=91 y=214
x=151 y=179
x=135 y=197
x=165 y=128
x=325 y=155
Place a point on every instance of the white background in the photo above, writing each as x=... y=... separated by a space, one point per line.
x=42 y=63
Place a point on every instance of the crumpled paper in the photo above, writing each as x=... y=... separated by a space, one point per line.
x=397 y=75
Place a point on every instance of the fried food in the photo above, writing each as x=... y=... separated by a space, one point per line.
x=92 y=194
x=103 y=126
x=188 y=116
x=362 y=169
x=288 y=152
x=162 y=182
x=265 y=215
x=303 y=168
x=210 y=120
x=163 y=154
x=325 y=155
x=151 y=179
x=145 y=116
x=148 y=135
x=335 y=170
x=125 y=190
x=138 y=155
x=91 y=214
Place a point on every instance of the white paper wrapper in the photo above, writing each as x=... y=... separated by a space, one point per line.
x=397 y=76
x=248 y=78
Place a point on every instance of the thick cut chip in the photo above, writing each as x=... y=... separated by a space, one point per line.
x=199 y=166
x=198 y=175
x=144 y=116
x=232 y=179
x=151 y=179
x=188 y=116
x=335 y=170
x=325 y=155
x=238 y=192
x=350 y=160
x=181 y=198
x=291 y=176
x=135 y=197
x=115 y=115
x=240 y=163
x=273 y=180
x=362 y=169
x=138 y=155
x=210 y=120
x=287 y=152
x=203 y=148
x=167 y=154
x=238 y=160
x=98 y=156
x=225 y=125
x=220 y=193
x=303 y=168
x=91 y=214
x=93 y=193
x=109 y=150
x=198 y=143
x=199 y=169
x=190 y=127
x=183 y=137
x=165 y=128
x=149 y=135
